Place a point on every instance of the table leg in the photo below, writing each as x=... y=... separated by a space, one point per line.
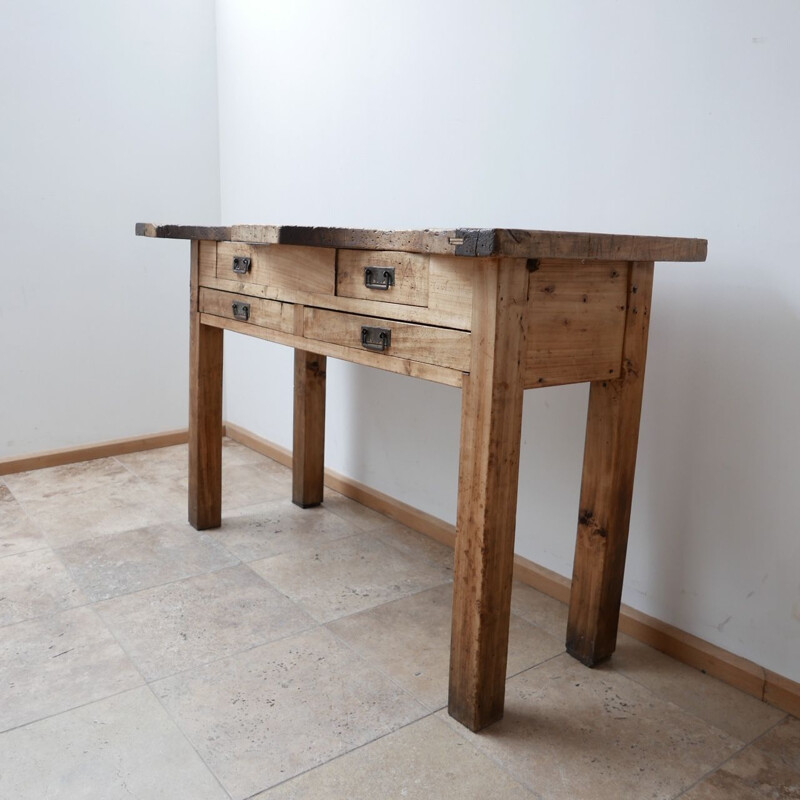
x=491 y=421
x=612 y=435
x=308 y=460
x=205 y=415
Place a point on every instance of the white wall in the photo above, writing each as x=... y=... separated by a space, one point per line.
x=109 y=116
x=676 y=118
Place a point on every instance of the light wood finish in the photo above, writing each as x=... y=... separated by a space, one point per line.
x=266 y=313
x=402 y=366
x=457 y=242
x=207 y=261
x=450 y=295
x=450 y=291
x=283 y=270
x=87 y=452
x=734 y=670
x=309 y=428
x=430 y=345
x=411 y=276
x=205 y=413
x=576 y=321
x=612 y=435
x=491 y=420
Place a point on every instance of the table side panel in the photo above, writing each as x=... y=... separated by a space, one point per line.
x=575 y=321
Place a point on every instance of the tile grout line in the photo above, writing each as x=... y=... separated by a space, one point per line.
x=689 y=711
x=340 y=756
x=146 y=684
x=739 y=752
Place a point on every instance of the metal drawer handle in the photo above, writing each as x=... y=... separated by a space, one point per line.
x=241 y=310
x=241 y=264
x=375 y=338
x=379 y=277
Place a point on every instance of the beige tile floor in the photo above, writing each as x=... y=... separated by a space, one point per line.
x=303 y=654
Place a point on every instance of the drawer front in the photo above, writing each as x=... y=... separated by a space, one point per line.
x=253 y=310
x=285 y=269
x=383 y=275
x=441 y=346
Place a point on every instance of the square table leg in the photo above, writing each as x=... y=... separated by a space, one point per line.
x=308 y=459
x=205 y=414
x=491 y=422
x=612 y=435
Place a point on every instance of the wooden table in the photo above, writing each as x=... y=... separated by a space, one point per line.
x=493 y=311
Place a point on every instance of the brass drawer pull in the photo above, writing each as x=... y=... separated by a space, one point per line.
x=241 y=310
x=241 y=264
x=379 y=277
x=375 y=338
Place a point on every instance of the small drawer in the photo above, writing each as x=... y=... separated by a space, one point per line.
x=383 y=275
x=253 y=310
x=441 y=346
x=284 y=269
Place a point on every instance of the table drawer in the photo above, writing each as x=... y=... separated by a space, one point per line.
x=285 y=269
x=384 y=275
x=253 y=310
x=441 y=346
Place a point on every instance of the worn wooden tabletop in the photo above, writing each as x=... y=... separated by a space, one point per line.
x=458 y=242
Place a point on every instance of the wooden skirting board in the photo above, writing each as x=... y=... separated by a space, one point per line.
x=71 y=455
x=768 y=686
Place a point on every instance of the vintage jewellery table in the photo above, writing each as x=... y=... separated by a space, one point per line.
x=493 y=311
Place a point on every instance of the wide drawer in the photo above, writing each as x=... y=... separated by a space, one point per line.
x=252 y=310
x=383 y=275
x=441 y=346
x=284 y=269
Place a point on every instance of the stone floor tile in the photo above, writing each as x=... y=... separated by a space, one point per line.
x=415 y=543
x=115 y=749
x=234 y=452
x=34 y=584
x=51 y=664
x=783 y=742
x=423 y=761
x=571 y=732
x=739 y=714
x=269 y=529
x=158 y=464
x=18 y=534
x=409 y=640
x=40 y=484
x=539 y=609
x=119 y=505
x=165 y=463
x=108 y=566
x=242 y=485
x=349 y=575
x=358 y=515
x=266 y=715
x=749 y=774
x=171 y=628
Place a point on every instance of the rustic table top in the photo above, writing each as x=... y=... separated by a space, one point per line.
x=458 y=242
